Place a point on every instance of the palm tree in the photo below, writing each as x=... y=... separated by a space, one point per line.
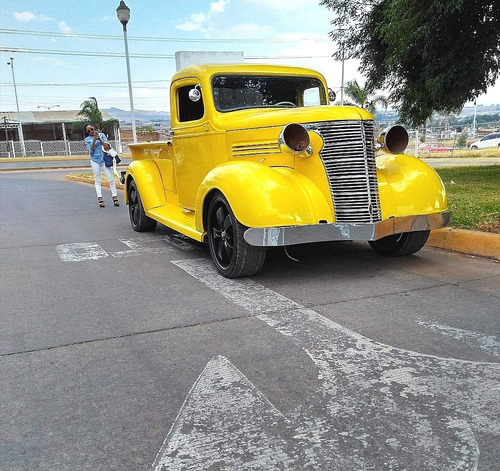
x=90 y=112
x=362 y=96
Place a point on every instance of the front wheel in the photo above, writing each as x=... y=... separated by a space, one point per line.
x=138 y=219
x=395 y=245
x=232 y=255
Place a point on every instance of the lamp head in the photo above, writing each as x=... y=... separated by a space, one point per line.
x=123 y=13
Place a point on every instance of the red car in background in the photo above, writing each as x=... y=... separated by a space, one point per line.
x=433 y=147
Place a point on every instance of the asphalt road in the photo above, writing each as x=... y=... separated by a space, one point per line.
x=51 y=163
x=126 y=351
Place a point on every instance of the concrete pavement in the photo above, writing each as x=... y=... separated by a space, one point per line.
x=332 y=358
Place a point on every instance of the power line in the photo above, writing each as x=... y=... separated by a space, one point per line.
x=135 y=56
x=90 y=84
x=20 y=50
x=156 y=39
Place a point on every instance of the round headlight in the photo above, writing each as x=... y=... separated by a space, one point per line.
x=294 y=140
x=393 y=139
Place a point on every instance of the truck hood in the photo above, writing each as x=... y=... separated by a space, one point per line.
x=269 y=117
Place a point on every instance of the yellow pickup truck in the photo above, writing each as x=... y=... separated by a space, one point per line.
x=258 y=157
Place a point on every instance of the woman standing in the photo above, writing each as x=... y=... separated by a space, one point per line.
x=95 y=141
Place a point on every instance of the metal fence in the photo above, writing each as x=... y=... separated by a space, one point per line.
x=12 y=149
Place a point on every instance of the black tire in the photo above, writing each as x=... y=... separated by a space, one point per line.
x=232 y=255
x=395 y=245
x=474 y=147
x=140 y=222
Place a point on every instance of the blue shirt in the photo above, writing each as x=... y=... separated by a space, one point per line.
x=98 y=154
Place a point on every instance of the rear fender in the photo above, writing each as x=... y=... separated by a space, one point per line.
x=147 y=177
x=262 y=196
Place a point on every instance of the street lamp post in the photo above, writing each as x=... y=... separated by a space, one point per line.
x=21 y=135
x=123 y=13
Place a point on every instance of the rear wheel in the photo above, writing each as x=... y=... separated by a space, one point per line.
x=140 y=222
x=406 y=243
x=232 y=255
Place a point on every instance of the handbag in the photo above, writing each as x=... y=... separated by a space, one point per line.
x=109 y=155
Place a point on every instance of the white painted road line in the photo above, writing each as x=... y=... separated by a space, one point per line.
x=221 y=391
x=486 y=343
x=378 y=407
x=82 y=251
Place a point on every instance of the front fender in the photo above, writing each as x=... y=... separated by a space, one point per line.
x=262 y=196
x=149 y=183
x=408 y=186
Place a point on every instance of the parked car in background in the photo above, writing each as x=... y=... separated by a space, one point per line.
x=433 y=147
x=490 y=140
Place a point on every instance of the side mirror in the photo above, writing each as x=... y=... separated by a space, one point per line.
x=195 y=93
x=332 y=95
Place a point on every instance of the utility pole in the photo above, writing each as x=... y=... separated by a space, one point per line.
x=474 y=121
x=6 y=134
x=342 y=83
x=21 y=136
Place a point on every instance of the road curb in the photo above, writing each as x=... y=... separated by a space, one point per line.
x=481 y=244
x=91 y=180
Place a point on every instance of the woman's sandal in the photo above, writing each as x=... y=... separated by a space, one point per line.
x=115 y=201
x=101 y=202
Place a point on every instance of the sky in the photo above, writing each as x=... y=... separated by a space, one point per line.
x=65 y=51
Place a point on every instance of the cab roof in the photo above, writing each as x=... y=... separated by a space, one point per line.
x=208 y=70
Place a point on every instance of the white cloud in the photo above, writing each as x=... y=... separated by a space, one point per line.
x=282 y=5
x=195 y=22
x=218 y=7
x=26 y=16
x=64 y=27
x=200 y=21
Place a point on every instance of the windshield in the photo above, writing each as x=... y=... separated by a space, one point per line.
x=237 y=92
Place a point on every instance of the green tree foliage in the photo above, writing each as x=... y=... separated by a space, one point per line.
x=433 y=55
x=462 y=140
x=90 y=113
x=363 y=96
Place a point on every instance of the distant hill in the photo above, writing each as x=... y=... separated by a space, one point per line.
x=140 y=115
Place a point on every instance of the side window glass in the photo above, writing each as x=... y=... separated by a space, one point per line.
x=312 y=97
x=189 y=110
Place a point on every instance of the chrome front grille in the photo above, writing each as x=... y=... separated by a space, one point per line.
x=349 y=159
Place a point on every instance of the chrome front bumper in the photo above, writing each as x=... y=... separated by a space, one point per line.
x=292 y=235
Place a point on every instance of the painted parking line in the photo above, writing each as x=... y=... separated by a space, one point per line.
x=82 y=251
x=377 y=407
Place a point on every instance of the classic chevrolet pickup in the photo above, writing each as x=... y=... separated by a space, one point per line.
x=259 y=158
